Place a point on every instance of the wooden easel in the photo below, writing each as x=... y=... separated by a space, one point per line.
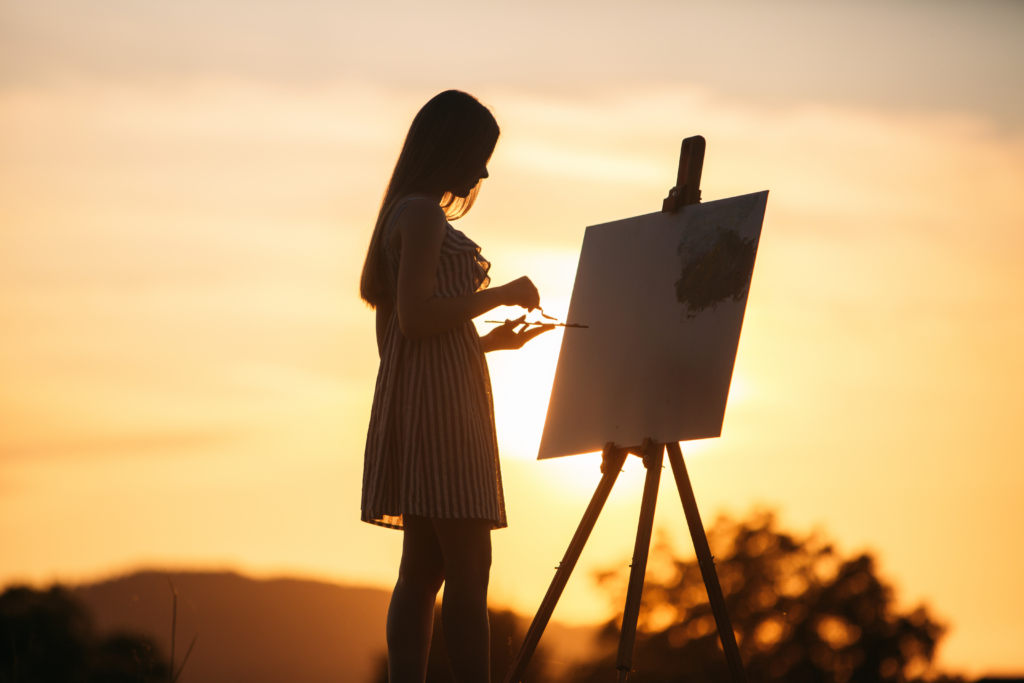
x=686 y=191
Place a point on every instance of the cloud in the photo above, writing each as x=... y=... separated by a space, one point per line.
x=914 y=55
x=138 y=445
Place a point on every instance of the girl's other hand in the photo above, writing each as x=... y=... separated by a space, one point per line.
x=522 y=293
x=505 y=337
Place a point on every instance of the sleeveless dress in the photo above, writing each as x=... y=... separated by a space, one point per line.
x=431 y=448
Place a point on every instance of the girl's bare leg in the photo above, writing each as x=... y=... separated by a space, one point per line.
x=466 y=548
x=411 y=614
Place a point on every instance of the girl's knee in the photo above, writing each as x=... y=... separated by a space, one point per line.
x=421 y=577
x=472 y=571
x=480 y=562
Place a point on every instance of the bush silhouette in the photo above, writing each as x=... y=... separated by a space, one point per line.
x=799 y=611
x=48 y=637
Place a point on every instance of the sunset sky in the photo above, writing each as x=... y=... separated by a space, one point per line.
x=186 y=194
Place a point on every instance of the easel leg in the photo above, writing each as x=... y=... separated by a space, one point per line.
x=611 y=465
x=654 y=455
x=707 y=565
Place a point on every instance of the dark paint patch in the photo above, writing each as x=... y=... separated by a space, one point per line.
x=717 y=274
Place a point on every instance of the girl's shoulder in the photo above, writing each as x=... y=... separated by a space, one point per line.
x=420 y=206
x=421 y=214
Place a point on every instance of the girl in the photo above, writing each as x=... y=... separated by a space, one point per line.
x=431 y=464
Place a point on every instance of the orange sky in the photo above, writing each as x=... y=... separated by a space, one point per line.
x=185 y=199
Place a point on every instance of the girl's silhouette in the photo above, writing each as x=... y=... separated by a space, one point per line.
x=431 y=464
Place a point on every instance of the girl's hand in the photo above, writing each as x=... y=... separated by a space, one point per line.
x=522 y=293
x=505 y=337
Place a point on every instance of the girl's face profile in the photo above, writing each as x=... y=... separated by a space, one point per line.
x=463 y=189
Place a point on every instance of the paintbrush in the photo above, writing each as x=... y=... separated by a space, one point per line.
x=525 y=324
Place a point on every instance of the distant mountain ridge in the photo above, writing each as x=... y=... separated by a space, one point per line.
x=250 y=630
x=265 y=630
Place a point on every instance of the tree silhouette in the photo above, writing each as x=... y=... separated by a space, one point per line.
x=506 y=637
x=48 y=637
x=799 y=611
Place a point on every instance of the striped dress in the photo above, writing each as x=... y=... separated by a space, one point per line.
x=431 y=448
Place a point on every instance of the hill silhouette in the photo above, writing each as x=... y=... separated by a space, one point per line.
x=249 y=630
x=263 y=631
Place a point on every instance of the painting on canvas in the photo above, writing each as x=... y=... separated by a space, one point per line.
x=663 y=296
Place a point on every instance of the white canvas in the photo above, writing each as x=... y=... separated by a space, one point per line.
x=664 y=297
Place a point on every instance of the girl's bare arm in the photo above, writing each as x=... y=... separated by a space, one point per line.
x=421 y=231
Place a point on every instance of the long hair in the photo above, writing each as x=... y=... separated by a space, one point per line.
x=451 y=137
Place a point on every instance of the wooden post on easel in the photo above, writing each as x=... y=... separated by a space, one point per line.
x=686 y=191
x=653 y=455
x=691 y=165
x=612 y=460
x=706 y=562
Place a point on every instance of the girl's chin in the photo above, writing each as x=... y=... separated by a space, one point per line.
x=464 y=192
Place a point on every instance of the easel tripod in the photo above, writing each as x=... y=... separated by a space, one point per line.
x=686 y=191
